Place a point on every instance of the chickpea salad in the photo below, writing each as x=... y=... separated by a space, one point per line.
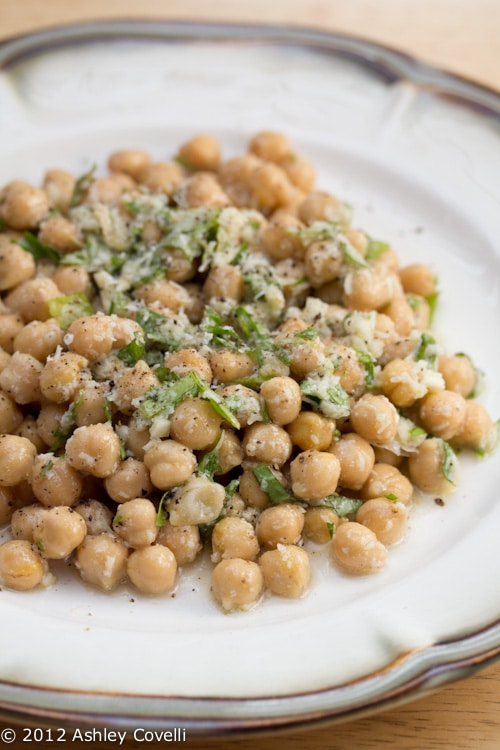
x=207 y=354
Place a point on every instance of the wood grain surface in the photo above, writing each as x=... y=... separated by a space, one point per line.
x=462 y=36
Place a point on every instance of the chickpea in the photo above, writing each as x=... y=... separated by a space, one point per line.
x=152 y=569
x=198 y=501
x=270 y=187
x=250 y=490
x=4 y=357
x=16 y=264
x=130 y=480
x=279 y=237
x=135 y=522
x=310 y=430
x=244 y=403
x=25 y=520
x=105 y=190
x=62 y=375
x=300 y=172
x=30 y=298
x=443 y=413
x=228 y=365
x=10 y=416
x=323 y=262
x=349 y=369
x=314 y=474
x=234 y=537
x=202 y=152
x=225 y=282
x=59 y=186
x=388 y=520
x=59 y=532
x=183 y=361
x=234 y=176
x=401 y=382
x=21 y=378
x=306 y=355
x=184 y=541
x=94 y=449
x=418 y=278
x=91 y=404
x=167 y=293
x=91 y=336
x=459 y=373
x=387 y=481
x=368 y=288
x=237 y=584
x=286 y=570
x=60 y=234
x=72 y=280
x=17 y=455
x=129 y=161
x=133 y=383
x=267 y=442
x=283 y=399
x=356 y=550
x=163 y=177
x=477 y=430
x=96 y=515
x=280 y=524
x=23 y=206
x=320 y=524
x=10 y=325
x=21 y=566
x=48 y=422
x=196 y=424
x=356 y=457
x=375 y=418
x=432 y=469
x=102 y=561
x=40 y=339
x=321 y=206
x=270 y=146
x=55 y=482
x=230 y=453
x=170 y=463
x=201 y=189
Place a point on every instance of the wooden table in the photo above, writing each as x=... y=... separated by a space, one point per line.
x=462 y=36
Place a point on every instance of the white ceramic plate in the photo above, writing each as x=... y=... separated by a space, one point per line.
x=417 y=154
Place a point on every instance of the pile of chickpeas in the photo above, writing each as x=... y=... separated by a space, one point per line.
x=87 y=477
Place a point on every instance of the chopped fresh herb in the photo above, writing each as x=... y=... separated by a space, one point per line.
x=107 y=411
x=39 y=250
x=209 y=464
x=117 y=520
x=204 y=391
x=81 y=186
x=308 y=334
x=67 y=424
x=133 y=352
x=448 y=462
x=48 y=465
x=368 y=362
x=166 y=396
x=427 y=349
x=161 y=514
x=416 y=431
x=271 y=486
x=69 y=308
x=343 y=506
x=232 y=487
x=220 y=332
x=375 y=249
x=40 y=546
x=331 y=528
x=432 y=301
x=392 y=497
